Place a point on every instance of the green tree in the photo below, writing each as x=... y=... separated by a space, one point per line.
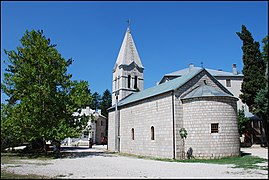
x=265 y=50
x=242 y=121
x=42 y=97
x=11 y=134
x=96 y=101
x=261 y=99
x=253 y=70
x=106 y=102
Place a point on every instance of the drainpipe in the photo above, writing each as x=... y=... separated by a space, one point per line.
x=116 y=124
x=173 y=119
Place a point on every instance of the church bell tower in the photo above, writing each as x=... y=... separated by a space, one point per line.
x=128 y=70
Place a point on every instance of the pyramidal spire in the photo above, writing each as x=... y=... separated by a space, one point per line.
x=128 y=52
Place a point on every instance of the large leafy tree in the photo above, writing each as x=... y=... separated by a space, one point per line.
x=106 y=102
x=42 y=97
x=253 y=70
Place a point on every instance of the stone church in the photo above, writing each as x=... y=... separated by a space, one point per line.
x=147 y=122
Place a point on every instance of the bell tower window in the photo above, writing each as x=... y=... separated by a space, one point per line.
x=129 y=81
x=135 y=82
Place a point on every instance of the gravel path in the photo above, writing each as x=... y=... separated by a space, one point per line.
x=98 y=164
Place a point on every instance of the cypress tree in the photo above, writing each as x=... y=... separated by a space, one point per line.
x=253 y=70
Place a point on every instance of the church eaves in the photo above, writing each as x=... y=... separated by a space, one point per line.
x=160 y=89
x=206 y=91
x=170 y=86
x=128 y=53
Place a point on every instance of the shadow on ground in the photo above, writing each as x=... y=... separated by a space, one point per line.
x=244 y=153
x=81 y=152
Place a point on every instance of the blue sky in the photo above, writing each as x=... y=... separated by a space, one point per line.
x=168 y=35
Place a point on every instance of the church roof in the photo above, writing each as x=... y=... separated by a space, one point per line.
x=206 y=91
x=211 y=71
x=128 y=53
x=160 y=89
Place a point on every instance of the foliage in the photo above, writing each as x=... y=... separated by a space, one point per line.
x=96 y=101
x=261 y=98
x=261 y=101
x=242 y=121
x=253 y=70
x=10 y=128
x=265 y=49
x=42 y=97
x=106 y=102
x=183 y=134
x=261 y=110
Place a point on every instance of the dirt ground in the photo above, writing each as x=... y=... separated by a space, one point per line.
x=97 y=163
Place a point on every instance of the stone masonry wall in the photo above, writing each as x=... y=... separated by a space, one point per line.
x=141 y=116
x=198 y=115
x=111 y=131
x=195 y=122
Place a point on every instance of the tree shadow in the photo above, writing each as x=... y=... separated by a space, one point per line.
x=75 y=152
x=243 y=153
x=65 y=152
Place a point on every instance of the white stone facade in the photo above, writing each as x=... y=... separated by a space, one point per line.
x=148 y=122
x=199 y=114
x=168 y=113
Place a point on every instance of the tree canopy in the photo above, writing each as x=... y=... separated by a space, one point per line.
x=255 y=83
x=106 y=102
x=253 y=70
x=96 y=101
x=41 y=95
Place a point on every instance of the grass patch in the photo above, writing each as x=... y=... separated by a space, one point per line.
x=14 y=159
x=245 y=162
x=10 y=175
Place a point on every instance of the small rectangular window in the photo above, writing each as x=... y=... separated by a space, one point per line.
x=215 y=128
x=228 y=82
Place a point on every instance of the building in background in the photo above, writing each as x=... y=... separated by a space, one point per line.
x=95 y=129
x=230 y=80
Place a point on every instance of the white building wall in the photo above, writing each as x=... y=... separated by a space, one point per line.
x=195 y=117
x=111 y=131
x=235 y=89
x=156 y=112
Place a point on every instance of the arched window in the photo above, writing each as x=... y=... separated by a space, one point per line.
x=132 y=133
x=152 y=132
x=118 y=83
x=129 y=81
x=135 y=82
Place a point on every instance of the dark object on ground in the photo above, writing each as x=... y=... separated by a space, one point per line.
x=189 y=153
x=90 y=143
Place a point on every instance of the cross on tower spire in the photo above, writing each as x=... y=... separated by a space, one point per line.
x=129 y=22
